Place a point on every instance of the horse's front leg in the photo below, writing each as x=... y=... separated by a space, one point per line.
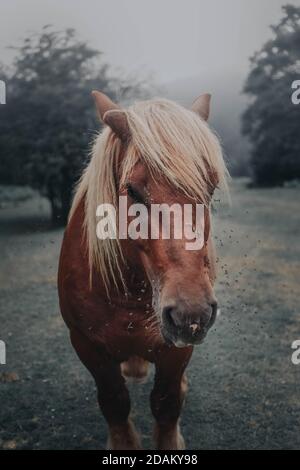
x=167 y=397
x=113 y=396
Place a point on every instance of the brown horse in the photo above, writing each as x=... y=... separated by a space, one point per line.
x=128 y=302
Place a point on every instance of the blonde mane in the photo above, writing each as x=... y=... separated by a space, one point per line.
x=170 y=140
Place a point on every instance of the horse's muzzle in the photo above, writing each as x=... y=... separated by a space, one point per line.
x=184 y=327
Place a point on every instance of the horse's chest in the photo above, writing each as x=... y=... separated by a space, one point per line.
x=129 y=333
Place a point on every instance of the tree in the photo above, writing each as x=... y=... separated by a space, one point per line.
x=272 y=121
x=46 y=125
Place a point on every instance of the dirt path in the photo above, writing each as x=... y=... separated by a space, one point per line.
x=244 y=390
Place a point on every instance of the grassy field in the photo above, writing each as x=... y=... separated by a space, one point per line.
x=244 y=391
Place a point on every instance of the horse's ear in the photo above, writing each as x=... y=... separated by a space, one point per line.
x=201 y=106
x=112 y=115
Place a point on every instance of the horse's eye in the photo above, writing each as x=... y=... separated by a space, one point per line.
x=134 y=194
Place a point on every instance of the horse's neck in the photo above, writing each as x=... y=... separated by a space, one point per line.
x=138 y=286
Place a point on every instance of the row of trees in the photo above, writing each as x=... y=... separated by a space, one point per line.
x=272 y=121
x=49 y=118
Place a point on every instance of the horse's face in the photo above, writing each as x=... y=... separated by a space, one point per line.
x=181 y=283
x=183 y=297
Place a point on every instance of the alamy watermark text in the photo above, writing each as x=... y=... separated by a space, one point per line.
x=156 y=221
x=2 y=92
x=2 y=352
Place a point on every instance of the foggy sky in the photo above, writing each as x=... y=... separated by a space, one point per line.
x=172 y=38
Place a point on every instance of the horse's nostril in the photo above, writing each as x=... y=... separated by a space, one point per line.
x=167 y=316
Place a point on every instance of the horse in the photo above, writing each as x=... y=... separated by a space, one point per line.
x=131 y=302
